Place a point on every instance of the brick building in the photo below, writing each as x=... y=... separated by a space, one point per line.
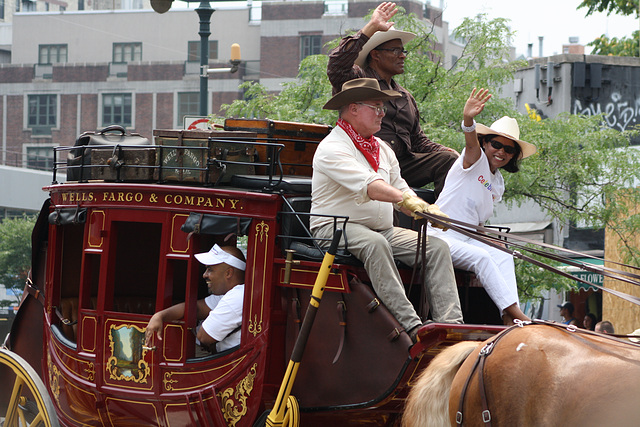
x=83 y=70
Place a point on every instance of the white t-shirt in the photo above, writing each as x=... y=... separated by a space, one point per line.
x=469 y=194
x=224 y=317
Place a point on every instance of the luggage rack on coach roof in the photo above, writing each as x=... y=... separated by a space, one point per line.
x=198 y=157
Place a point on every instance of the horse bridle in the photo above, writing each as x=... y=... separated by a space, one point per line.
x=486 y=350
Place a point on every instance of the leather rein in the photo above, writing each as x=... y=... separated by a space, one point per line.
x=498 y=240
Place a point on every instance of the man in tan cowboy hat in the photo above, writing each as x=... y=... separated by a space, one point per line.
x=377 y=51
x=356 y=174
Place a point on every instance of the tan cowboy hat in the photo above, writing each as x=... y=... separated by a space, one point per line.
x=507 y=127
x=380 y=37
x=358 y=90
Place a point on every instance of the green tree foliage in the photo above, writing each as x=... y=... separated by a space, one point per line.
x=580 y=164
x=15 y=253
x=624 y=46
x=622 y=7
x=603 y=45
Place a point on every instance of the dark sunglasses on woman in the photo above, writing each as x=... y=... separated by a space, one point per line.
x=509 y=149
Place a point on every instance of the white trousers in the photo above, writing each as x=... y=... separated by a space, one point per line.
x=494 y=268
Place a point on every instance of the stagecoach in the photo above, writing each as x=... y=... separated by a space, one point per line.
x=114 y=243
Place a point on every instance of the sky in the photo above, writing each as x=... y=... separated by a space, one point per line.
x=555 y=20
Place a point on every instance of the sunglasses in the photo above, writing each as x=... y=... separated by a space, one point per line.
x=509 y=149
x=396 y=50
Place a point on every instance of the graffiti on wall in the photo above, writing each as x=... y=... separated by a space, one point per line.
x=619 y=112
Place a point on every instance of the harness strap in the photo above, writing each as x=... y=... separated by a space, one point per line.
x=479 y=367
x=342 y=321
x=35 y=292
x=488 y=348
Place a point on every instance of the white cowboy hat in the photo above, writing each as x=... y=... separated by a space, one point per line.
x=507 y=127
x=380 y=37
x=357 y=90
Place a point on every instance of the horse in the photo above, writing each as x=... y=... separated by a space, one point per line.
x=532 y=374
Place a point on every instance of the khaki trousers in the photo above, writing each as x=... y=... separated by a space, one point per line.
x=377 y=250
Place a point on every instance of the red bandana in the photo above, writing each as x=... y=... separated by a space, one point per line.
x=369 y=147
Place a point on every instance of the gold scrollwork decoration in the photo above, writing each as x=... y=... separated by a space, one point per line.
x=168 y=381
x=127 y=354
x=90 y=370
x=54 y=378
x=262 y=229
x=255 y=327
x=233 y=410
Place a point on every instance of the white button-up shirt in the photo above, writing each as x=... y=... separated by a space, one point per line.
x=340 y=178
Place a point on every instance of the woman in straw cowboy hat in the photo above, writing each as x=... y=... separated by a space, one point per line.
x=474 y=183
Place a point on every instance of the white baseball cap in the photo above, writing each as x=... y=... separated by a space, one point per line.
x=217 y=256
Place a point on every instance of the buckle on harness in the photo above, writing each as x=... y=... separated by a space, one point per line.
x=459 y=418
x=486 y=416
x=486 y=349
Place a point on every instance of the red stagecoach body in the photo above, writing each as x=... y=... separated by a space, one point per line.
x=110 y=252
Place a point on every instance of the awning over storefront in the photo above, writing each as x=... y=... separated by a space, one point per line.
x=595 y=278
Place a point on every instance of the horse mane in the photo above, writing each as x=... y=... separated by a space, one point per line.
x=428 y=400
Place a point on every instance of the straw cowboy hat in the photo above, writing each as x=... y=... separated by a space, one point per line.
x=635 y=333
x=507 y=127
x=380 y=37
x=358 y=90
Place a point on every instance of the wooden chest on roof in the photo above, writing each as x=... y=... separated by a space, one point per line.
x=299 y=139
x=204 y=156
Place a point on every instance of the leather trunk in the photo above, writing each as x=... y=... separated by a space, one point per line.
x=123 y=164
x=300 y=141
x=207 y=157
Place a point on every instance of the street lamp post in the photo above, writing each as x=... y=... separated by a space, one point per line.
x=204 y=12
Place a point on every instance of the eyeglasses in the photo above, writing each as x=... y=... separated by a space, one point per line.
x=396 y=50
x=509 y=149
x=381 y=111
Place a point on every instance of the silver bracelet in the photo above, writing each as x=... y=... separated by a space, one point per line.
x=467 y=129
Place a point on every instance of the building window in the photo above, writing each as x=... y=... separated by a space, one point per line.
x=52 y=54
x=194 y=50
x=40 y=157
x=28 y=6
x=310 y=45
x=116 y=109
x=336 y=7
x=188 y=105
x=2 y=4
x=127 y=52
x=42 y=114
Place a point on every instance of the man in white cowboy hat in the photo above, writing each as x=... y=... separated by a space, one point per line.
x=356 y=174
x=377 y=51
x=221 y=310
x=474 y=183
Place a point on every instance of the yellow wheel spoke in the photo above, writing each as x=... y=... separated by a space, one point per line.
x=29 y=397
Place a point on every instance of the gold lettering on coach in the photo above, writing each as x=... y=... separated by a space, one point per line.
x=77 y=197
x=136 y=197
